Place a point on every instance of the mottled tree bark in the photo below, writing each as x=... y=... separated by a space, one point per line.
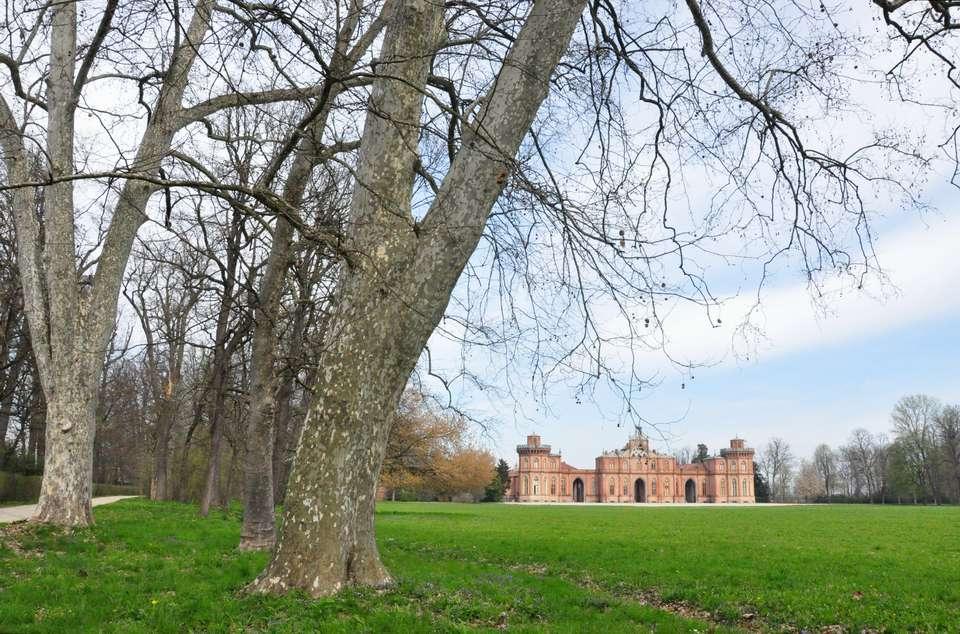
x=258 y=532
x=393 y=294
x=326 y=543
x=66 y=488
x=328 y=511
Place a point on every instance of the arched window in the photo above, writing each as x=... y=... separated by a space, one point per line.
x=653 y=487
x=734 y=483
x=553 y=486
x=624 y=488
x=536 y=485
x=723 y=487
x=536 y=463
x=743 y=466
x=612 y=485
x=563 y=486
x=526 y=485
x=733 y=467
x=703 y=486
x=744 y=490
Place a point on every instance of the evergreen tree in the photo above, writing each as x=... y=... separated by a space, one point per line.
x=702 y=453
x=761 y=488
x=498 y=486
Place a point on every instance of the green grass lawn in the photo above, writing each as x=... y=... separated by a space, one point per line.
x=151 y=567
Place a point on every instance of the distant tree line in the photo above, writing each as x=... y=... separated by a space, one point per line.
x=919 y=463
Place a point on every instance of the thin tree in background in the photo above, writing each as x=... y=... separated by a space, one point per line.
x=825 y=462
x=776 y=461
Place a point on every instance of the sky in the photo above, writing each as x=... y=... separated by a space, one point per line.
x=821 y=369
x=820 y=372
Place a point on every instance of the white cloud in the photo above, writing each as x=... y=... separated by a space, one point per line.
x=921 y=267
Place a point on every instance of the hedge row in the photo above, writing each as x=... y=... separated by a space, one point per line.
x=15 y=487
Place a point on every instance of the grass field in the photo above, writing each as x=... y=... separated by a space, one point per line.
x=148 y=567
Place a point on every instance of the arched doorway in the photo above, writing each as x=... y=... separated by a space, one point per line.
x=578 y=490
x=690 y=491
x=639 y=491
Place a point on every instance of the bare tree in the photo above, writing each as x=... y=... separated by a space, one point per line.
x=863 y=457
x=163 y=292
x=825 y=461
x=442 y=165
x=461 y=172
x=683 y=455
x=808 y=485
x=776 y=460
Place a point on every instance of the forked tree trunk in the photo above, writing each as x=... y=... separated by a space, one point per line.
x=65 y=491
x=393 y=293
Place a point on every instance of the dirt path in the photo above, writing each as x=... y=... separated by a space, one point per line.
x=17 y=513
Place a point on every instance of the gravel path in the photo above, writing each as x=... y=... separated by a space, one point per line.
x=17 y=513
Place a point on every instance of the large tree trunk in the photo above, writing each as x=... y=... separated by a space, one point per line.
x=328 y=511
x=65 y=491
x=394 y=292
x=258 y=531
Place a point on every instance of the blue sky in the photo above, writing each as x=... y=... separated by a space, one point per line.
x=807 y=396
x=822 y=369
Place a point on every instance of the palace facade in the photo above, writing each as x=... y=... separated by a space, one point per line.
x=632 y=474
